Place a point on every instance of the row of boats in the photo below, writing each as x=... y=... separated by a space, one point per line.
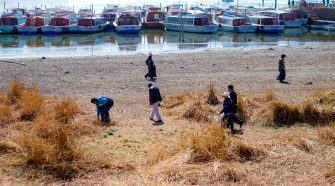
x=173 y=18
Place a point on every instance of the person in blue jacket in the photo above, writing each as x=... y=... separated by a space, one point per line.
x=103 y=104
x=227 y=110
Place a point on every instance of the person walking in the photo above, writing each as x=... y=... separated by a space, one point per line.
x=103 y=105
x=151 y=68
x=227 y=111
x=155 y=98
x=233 y=97
x=281 y=69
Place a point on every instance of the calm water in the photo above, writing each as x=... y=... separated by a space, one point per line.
x=111 y=43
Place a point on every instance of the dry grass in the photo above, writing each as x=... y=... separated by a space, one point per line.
x=14 y=92
x=284 y=114
x=211 y=95
x=269 y=96
x=330 y=173
x=31 y=104
x=327 y=133
x=213 y=143
x=65 y=110
x=5 y=114
x=197 y=110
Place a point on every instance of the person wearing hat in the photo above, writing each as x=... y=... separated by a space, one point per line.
x=227 y=111
x=233 y=98
x=103 y=105
x=151 y=68
x=281 y=69
x=155 y=99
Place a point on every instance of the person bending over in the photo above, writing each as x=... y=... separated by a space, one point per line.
x=103 y=104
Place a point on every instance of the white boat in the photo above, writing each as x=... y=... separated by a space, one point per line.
x=266 y=24
x=330 y=27
x=88 y=25
x=231 y=23
x=58 y=25
x=32 y=26
x=284 y=18
x=127 y=24
x=187 y=22
x=9 y=22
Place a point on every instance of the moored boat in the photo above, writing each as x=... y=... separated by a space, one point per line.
x=284 y=18
x=32 y=26
x=232 y=23
x=58 y=25
x=154 y=19
x=187 y=22
x=266 y=24
x=321 y=24
x=110 y=18
x=330 y=27
x=127 y=24
x=8 y=23
x=88 y=25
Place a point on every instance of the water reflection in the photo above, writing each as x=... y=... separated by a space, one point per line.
x=154 y=40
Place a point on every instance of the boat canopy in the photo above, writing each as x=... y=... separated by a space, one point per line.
x=8 y=21
x=90 y=21
x=189 y=20
x=109 y=16
x=155 y=16
x=127 y=19
x=233 y=21
x=263 y=20
x=35 y=21
x=59 y=21
x=287 y=16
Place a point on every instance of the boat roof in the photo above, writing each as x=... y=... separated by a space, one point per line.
x=188 y=15
x=231 y=17
x=260 y=17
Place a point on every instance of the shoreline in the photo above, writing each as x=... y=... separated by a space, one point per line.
x=99 y=51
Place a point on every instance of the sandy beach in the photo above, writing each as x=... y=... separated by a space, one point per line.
x=251 y=70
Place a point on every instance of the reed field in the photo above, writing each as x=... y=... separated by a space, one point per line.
x=46 y=140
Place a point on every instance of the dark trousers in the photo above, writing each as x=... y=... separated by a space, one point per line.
x=230 y=122
x=105 y=111
x=236 y=119
x=282 y=75
x=151 y=72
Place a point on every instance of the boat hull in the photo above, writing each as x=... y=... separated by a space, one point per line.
x=292 y=24
x=7 y=29
x=110 y=26
x=330 y=28
x=75 y=29
x=271 y=29
x=28 y=30
x=153 y=25
x=54 y=30
x=239 y=29
x=128 y=29
x=210 y=29
x=318 y=27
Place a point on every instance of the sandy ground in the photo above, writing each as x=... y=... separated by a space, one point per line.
x=252 y=71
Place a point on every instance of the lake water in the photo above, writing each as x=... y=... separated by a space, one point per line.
x=111 y=43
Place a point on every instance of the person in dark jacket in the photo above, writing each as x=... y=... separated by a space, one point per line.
x=103 y=104
x=227 y=111
x=155 y=98
x=233 y=97
x=281 y=69
x=151 y=68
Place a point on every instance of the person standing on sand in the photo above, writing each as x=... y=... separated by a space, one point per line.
x=155 y=98
x=103 y=104
x=281 y=69
x=151 y=68
x=233 y=97
x=227 y=111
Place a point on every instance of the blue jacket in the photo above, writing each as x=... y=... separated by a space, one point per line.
x=227 y=106
x=101 y=102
